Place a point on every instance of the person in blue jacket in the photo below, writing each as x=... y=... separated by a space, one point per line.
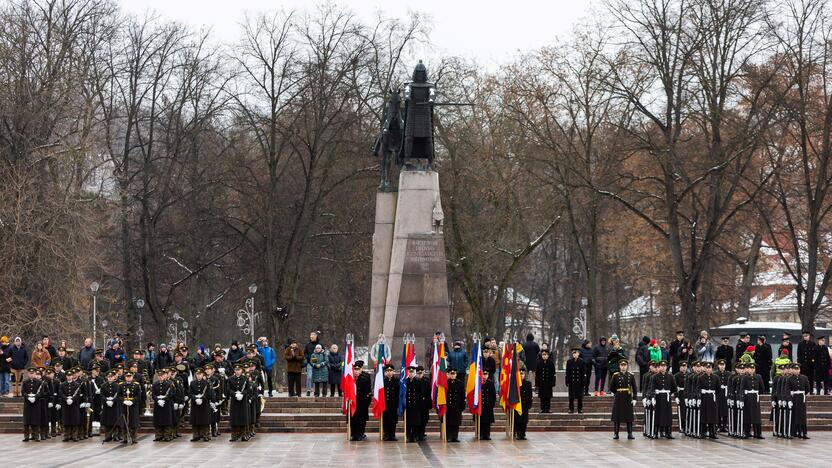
x=269 y=359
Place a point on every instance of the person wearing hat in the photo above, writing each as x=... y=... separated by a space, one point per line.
x=674 y=350
x=391 y=403
x=747 y=357
x=780 y=396
x=34 y=394
x=162 y=393
x=807 y=354
x=103 y=364
x=238 y=390
x=742 y=345
x=489 y=399
x=647 y=402
x=130 y=394
x=546 y=377
x=423 y=379
x=822 y=367
x=659 y=390
x=70 y=397
x=201 y=394
x=735 y=400
x=456 y=401
x=764 y=361
x=217 y=383
x=413 y=405
x=623 y=387
x=617 y=353
x=363 y=398
x=521 y=415
x=575 y=377
x=725 y=352
x=53 y=415
x=749 y=398
x=723 y=376
x=163 y=358
x=798 y=387
x=111 y=407
x=179 y=391
x=709 y=410
x=95 y=382
x=458 y=359
x=258 y=387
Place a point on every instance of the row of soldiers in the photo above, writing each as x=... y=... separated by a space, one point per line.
x=58 y=402
x=419 y=403
x=711 y=401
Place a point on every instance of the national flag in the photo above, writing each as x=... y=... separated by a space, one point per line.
x=348 y=380
x=439 y=378
x=473 y=387
x=514 y=381
x=379 y=402
x=505 y=370
x=408 y=359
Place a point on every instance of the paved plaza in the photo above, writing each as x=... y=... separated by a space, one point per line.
x=320 y=450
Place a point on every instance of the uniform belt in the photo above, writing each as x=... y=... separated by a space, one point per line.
x=751 y=391
x=798 y=392
x=663 y=391
x=724 y=387
x=708 y=391
x=623 y=389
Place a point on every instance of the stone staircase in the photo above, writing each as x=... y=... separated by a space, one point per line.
x=323 y=415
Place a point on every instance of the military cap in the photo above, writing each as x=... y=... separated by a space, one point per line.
x=199 y=370
x=743 y=334
x=720 y=361
x=795 y=365
x=575 y=349
x=411 y=367
x=624 y=360
x=208 y=366
x=138 y=351
x=450 y=369
x=750 y=365
x=111 y=373
x=653 y=363
x=58 y=363
x=120 y=366
x=358 y=364
x=237 y=365
x=219 y=352
x=707 y=364
x=32 y=369
x=99 y=351
x=133 y=364
x=95 y=367
x=662 y=362
x=61 y=348
x=389 y=367
x=419 y=368
x=683 y=363
x=49 y=370
x=128 y=374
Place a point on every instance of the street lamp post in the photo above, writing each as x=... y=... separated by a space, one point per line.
x=140 y=330
x=579 y=322
x=247 y=317
x=174 y=333
x=94 y=288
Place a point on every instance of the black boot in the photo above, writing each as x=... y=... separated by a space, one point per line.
x=25 y=433
x=617 y=428
x=630 y=431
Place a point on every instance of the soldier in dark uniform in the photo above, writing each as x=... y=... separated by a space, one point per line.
x=111 y=406
x=65 y=358
x=162 y=395
x=807 y=354
x=575 y=379
x=130 y=394
x=413 y=405
x=86 y=405
x=427 y=394
x=237 y=389
x=51 y=396
x=71 y=396
x=799 y=386
x=96 y=381
x=708 y=388
x=34 y=393
x=750 y=387
x=217 y=390
x=660 y=388
x=257 y=387
x=545 y=377
x=201 y=394
x=223 y=371
x=455 y=405
x=723 y=376
x=489 y=399
x=735 y=400
x=521 y=421
x=391 y=403
x=647 y=400
x=623 y=387
x=103 y=364
x=694 y=400
x=418 y=117
x=363 y=398
x=681 y=398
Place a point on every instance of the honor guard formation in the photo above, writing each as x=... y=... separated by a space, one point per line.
x=718 y=392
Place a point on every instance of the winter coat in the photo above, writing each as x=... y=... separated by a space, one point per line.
x=294 y=360
x=320 y=367
x=705 y=352
x=19 y=355
x=615 y=356
x=655 y=353
x=601 y=354
x=40 y=358
x=4 y=353
x=114 y=356
x=268 y=356
x=586 y=356
x=458 y=360
x=334 y=363
x=309 y=349
x=532 y=350
x=665 y=354
x=235 y=355
x=85 y=356
x=162 y=360
x=642 y=355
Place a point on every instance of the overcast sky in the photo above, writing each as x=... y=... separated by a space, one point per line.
x=476 y=29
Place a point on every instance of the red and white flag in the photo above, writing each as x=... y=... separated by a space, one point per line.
x=348 y=381
x=379 y=402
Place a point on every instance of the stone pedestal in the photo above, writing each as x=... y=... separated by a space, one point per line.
x=409 y=267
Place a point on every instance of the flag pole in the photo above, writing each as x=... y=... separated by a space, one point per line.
x=349 y=425
x=381 y=427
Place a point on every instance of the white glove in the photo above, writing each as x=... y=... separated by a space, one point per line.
x=774 y=404
x=57 y=407
x=98 y=392
x=161 y=403
x=110 y=403
x=69 y=401
x=187 y=398
x=644 y=402
x=198 y=401
x=128 y=403
x=238 y=396
x=222 y=370
x=31 y=399
x=634 y=402
x=50 y=405
x=82 y=405
x=790 y=404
